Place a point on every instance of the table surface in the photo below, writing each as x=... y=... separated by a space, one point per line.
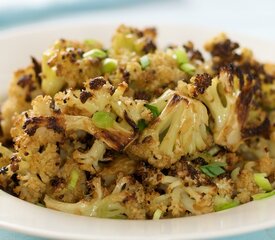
x=250 y=17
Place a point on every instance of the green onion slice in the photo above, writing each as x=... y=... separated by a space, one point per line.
x=153 y=109
x=188 y=68
x=141 y=125
x=103 y=120
x=73 y=179
x=109 y=65
x=262 y=181
x=213 y=169
x=260 y=196
x=180 y=55
x=214 y=150
x=157 y=214
x=226 y=205
x=144 y=61
x=95 y=53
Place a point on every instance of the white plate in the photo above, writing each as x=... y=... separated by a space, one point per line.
x=15 y=47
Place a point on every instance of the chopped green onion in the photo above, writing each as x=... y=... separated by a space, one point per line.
x=109 y=65
x=103 y=120
x=73 y=179
x=144 y=61
x=262 y=182
x=213 y=169
x=153 y=109
x=226 y=205
x=235 y=173
x=260 y=196
x=141 y=125
x=180 y=55
x=214 y=150
x=188 y=68
x=157 y=214
x=95 y=53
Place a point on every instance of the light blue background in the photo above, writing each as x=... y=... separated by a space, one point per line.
x=262 y=235
x=250 y=17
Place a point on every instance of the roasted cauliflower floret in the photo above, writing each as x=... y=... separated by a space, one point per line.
x=95 y=97
x=120 y=164
x=227 y=96
x=89 y=160
x=65 y=66
x=161 y=73
x=223 y=51
x=24 y=87
x=183 y=190
x=38 y=134
x=245 y=183
x=125 y=201
x=5 y=171
x=69 y=185
x=180 y=129
x=108 y=115
x=128 y=42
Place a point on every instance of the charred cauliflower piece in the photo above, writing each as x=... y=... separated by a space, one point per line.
x=120 y=164
x=110 y=117
x=65 y=66
x=38 y=134
x=24 y=87
x=245 y=183
x=128 y=42
x=161 y=73
x=69 y=185
x=5 y=171
x=180 y=129
x=125 y=201
x=184 y=190
x=227 y=96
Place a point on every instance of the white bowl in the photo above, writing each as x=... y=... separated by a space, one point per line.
x=16 y=46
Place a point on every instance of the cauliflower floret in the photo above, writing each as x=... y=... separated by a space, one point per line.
x=63 y=65
x=120 y=164
x=95 y=97
x=227 y=96
x=125 y=201
x=108 y=115
x=180 y=129
x=223 y=51
x=185 y=196
x=225 y=187
x=266 y=164
x=24 y=87
x=183 y=190
x=128 y=42
x=89 y=160
x=38 y=134
x=70 y=183
x=5 y=172
x=161 y=73
x=245 y=183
